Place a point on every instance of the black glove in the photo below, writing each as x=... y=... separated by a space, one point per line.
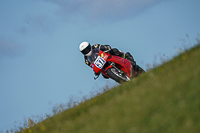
x=105 y=47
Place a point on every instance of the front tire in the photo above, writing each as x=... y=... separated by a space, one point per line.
x=115 y=75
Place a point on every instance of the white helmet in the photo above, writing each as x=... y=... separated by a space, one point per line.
x=85 y=48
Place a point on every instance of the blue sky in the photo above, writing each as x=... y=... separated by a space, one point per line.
x=40 y=63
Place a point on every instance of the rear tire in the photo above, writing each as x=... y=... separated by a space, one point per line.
x=113 y=74
x=140 y=70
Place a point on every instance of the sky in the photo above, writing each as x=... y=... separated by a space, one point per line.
x=41 y=65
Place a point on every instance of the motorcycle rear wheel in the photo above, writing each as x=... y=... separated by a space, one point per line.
x=115 y=75
x=139 y=70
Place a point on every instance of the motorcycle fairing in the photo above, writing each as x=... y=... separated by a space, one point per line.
x=121 y=63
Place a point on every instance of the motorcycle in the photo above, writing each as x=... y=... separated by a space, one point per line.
x=111 y=66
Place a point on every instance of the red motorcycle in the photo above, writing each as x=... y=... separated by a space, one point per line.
x=111 y=66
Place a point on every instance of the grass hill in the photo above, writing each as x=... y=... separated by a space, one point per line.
x=164 y=100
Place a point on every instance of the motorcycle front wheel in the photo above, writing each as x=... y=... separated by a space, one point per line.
x=117 y=76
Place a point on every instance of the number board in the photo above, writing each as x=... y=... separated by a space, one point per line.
x=99 y=62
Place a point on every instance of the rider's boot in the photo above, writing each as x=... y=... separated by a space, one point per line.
x=129 y=57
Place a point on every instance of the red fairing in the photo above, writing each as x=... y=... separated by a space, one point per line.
x=121 y=63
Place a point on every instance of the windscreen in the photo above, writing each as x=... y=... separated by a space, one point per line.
x=95 y=54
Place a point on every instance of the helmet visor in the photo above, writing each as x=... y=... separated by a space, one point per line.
x=86 y=50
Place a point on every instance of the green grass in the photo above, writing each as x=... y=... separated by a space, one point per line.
x=166 y=99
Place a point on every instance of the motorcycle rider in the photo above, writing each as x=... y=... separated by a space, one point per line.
x=86 y=49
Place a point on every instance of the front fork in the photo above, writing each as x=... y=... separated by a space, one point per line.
x=119 y=71
x=113 y=65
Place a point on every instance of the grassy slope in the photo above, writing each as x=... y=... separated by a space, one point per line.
x=167 y=99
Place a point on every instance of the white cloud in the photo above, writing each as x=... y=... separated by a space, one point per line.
x=102 y=9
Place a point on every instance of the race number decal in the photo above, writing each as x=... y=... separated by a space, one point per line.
x=99 y=62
